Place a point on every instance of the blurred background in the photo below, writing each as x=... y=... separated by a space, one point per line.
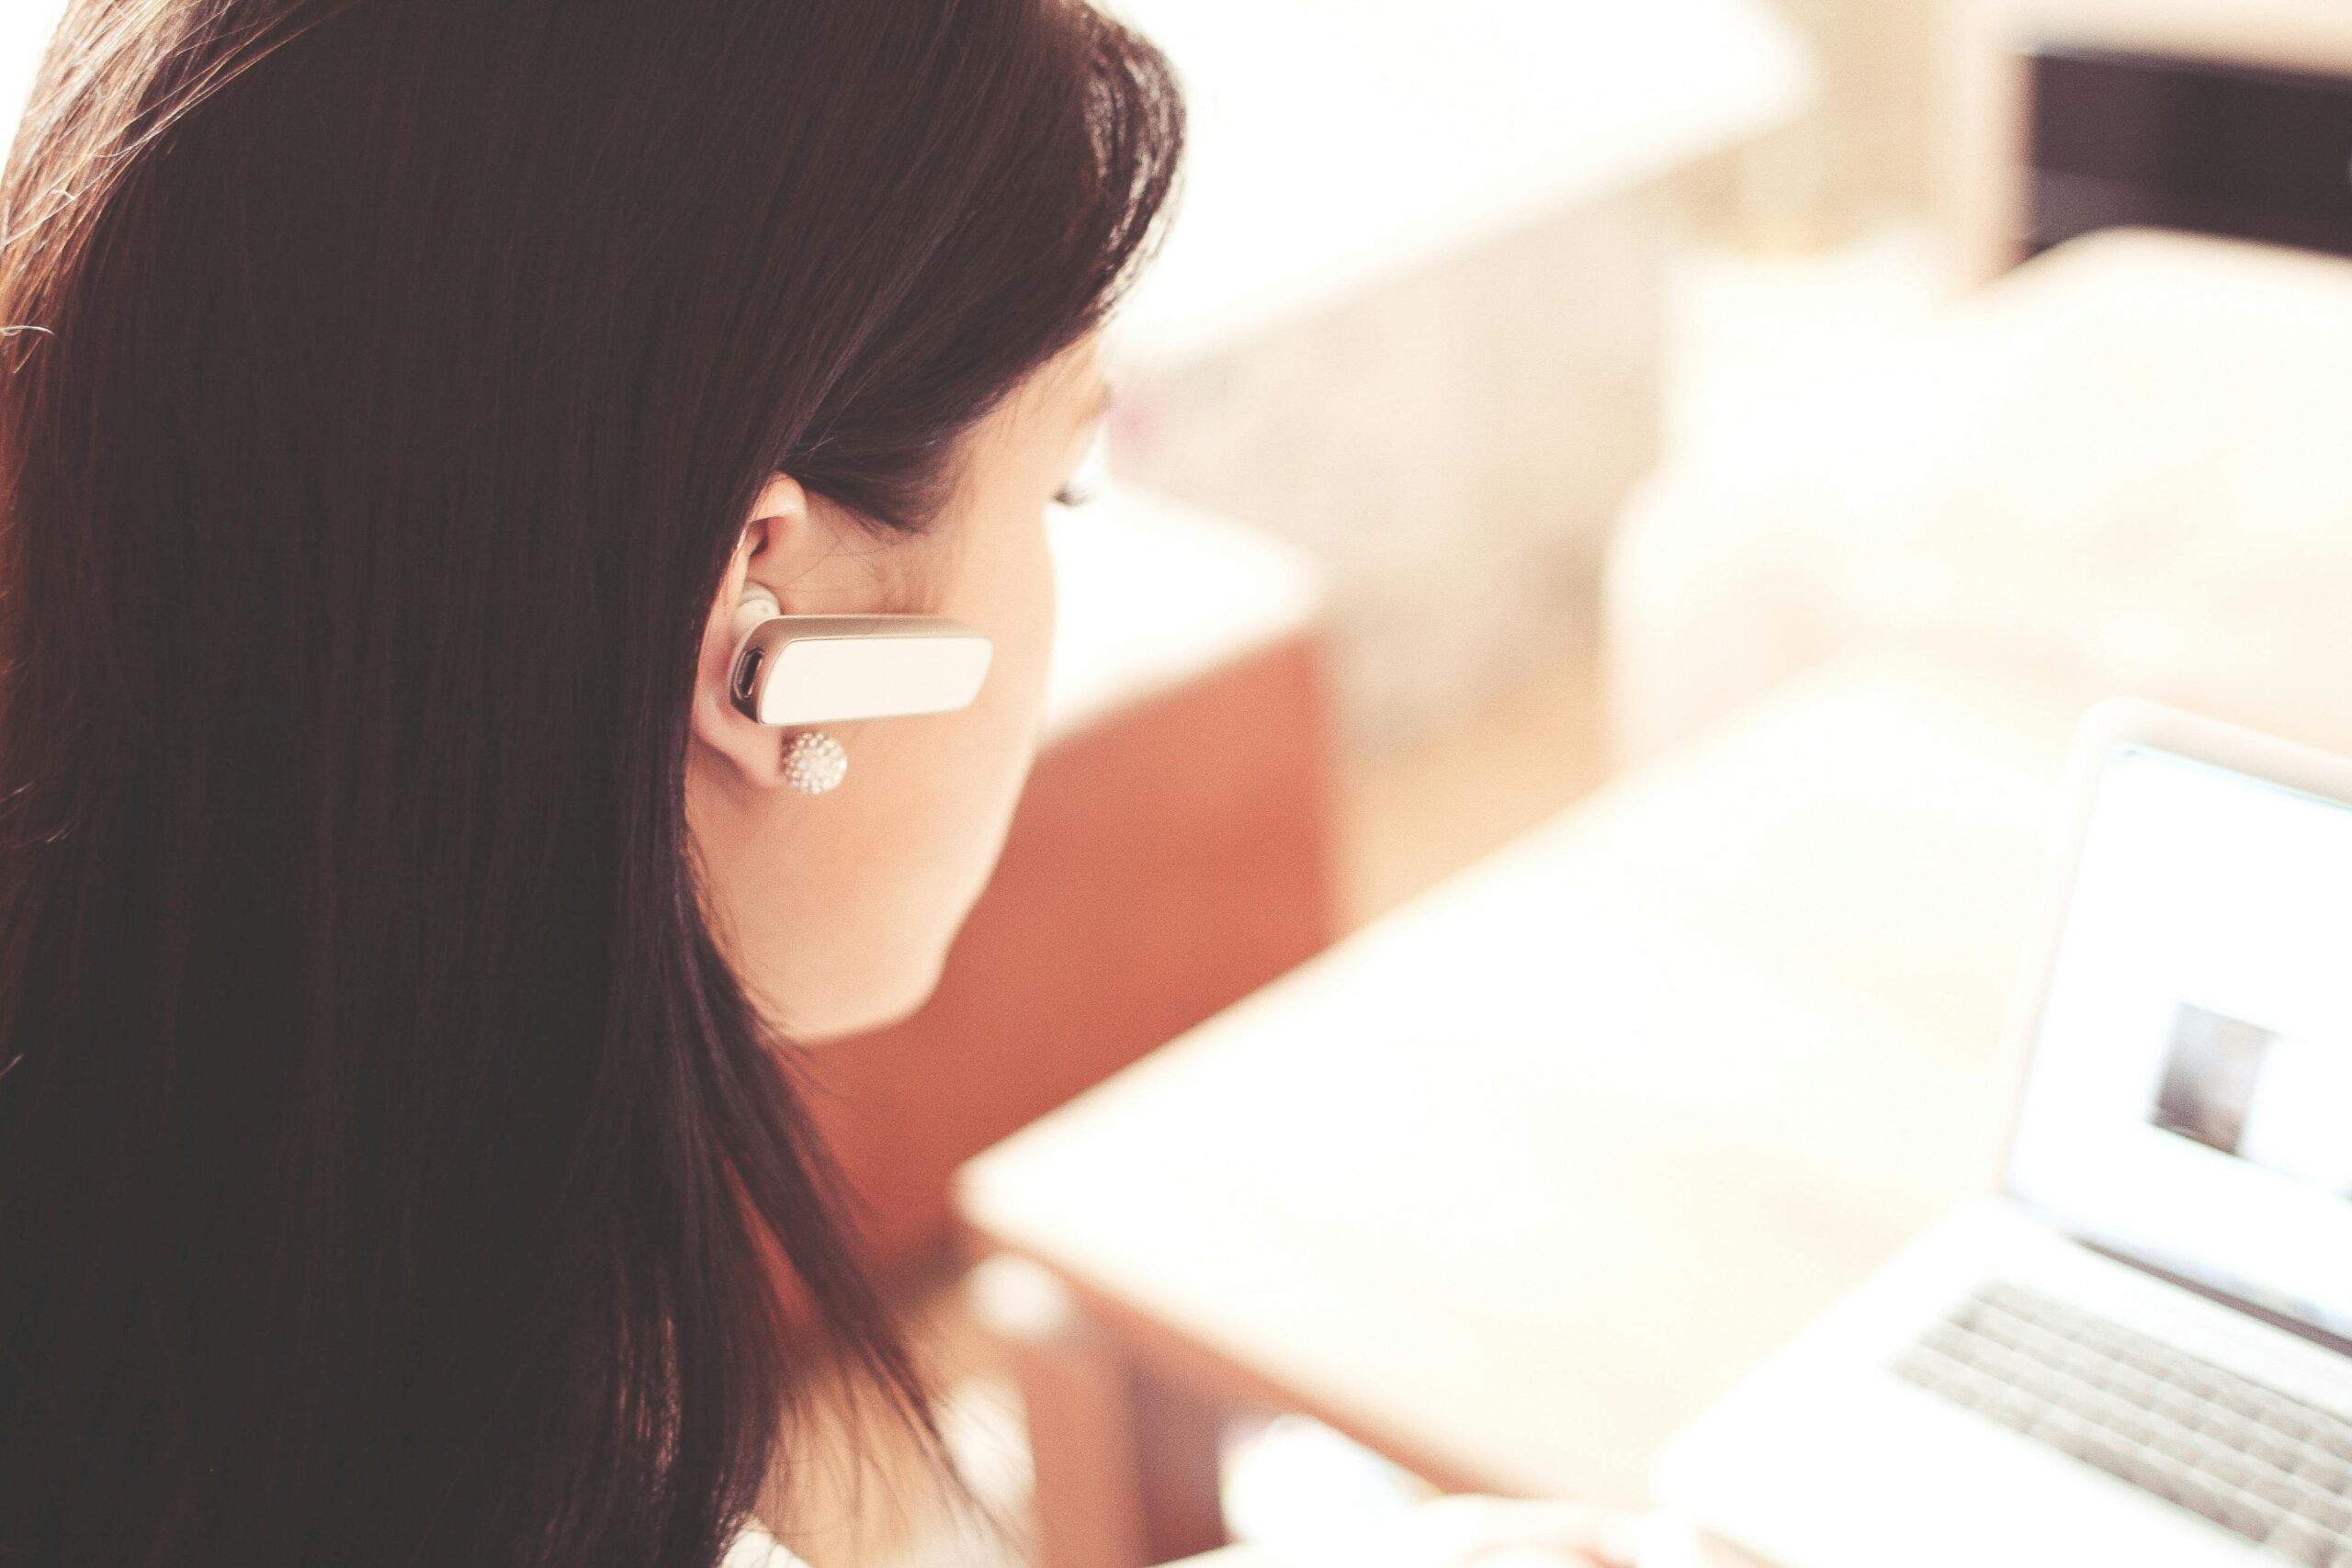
x=1660 y=414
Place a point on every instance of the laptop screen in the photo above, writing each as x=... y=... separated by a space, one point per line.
x=2190 y=1095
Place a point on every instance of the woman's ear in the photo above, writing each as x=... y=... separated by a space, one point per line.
x=779 y=545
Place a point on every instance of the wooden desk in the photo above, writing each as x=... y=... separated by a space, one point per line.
x=1510 y=1183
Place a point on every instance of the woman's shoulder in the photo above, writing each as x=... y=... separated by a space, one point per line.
x=757 y=1548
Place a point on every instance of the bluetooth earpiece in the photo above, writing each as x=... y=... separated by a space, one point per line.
x=795 y=670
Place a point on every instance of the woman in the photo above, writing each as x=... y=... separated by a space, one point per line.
x=403 y=936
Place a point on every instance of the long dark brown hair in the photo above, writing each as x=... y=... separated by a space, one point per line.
x=391 y=1169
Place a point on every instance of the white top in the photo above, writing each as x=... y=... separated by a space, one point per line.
x=757 y=1548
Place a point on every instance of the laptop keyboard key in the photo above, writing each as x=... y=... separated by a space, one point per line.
x=2251 y=1457
x=2298 y=1542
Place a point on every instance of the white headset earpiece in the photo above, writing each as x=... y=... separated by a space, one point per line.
x=792 y=671
x=813 y=761
x=758 y=604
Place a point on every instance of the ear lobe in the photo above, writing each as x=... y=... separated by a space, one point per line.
x=751 y=754
x=749 y=749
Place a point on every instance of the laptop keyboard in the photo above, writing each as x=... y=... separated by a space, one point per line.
x=2270 y=1466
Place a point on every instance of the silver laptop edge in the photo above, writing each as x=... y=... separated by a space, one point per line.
x=1825 y=1458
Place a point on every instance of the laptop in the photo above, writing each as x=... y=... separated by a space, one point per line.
x=2136 y=1349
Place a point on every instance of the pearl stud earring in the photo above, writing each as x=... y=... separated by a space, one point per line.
x=814 y=762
